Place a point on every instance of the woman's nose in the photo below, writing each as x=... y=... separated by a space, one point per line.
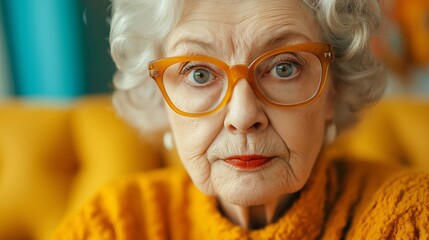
x=245 y=112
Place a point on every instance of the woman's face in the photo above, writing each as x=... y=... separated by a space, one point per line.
x=248 y=153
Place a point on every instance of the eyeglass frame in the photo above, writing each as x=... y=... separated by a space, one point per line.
x=323 y=51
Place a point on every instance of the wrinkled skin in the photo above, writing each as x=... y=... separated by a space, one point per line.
x=237 y=32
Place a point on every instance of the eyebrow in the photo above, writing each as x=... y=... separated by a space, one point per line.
x=282 y=38
x=190 y=40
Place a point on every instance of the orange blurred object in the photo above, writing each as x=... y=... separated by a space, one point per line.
x=412 y=17
x=408 y=47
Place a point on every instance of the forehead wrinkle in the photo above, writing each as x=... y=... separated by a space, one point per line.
x=209 y=41
x=199 y=29
x=287 y=24
x=186 y=42
x=248 y=46
x=239 y=36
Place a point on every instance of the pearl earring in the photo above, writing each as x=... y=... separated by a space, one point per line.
x=168 y=140
x=331 y=133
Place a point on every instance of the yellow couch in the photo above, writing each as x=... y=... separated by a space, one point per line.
x=394 y=131
x=53 y=158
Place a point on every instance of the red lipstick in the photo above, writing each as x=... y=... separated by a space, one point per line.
x=247 y=161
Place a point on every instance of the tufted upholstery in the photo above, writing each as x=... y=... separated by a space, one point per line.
x=53 y=158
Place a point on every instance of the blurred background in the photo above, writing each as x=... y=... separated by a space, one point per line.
x=58 y=50
x=60 y=139
x=403 y=46
x=54 y=49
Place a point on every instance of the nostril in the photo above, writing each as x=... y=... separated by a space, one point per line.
x=231 y=128
x=257 y=125
x=253 y=127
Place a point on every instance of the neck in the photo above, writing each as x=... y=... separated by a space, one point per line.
x=255 y=217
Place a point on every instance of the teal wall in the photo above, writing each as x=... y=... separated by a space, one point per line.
x=58 y=49
x=5 y=79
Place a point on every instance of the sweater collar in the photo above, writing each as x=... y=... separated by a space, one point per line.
x=303 y=220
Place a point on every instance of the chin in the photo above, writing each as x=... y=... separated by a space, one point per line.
x=248 y=198
x=252 y=188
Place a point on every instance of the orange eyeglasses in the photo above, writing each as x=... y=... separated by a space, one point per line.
x=286 y=77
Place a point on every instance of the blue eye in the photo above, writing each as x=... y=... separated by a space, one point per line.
x=284 y=70
x=200 y=76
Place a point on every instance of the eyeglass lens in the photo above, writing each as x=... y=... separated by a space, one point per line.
x=287 y=78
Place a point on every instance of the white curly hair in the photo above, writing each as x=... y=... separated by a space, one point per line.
x=138 y=29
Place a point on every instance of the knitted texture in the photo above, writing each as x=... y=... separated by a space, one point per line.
x=341 y=200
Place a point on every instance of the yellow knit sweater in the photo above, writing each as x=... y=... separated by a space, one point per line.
x=341 y=200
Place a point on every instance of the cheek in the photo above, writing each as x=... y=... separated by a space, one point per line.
x=193 y=136
x=302 y=131
x=301 y=128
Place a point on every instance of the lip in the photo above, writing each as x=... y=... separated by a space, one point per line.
x=248 y=161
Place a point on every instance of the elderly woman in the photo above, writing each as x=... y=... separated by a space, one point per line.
x=253 y=92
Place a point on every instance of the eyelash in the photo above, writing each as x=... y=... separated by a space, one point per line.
x=286 y=60
x=189 y=66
